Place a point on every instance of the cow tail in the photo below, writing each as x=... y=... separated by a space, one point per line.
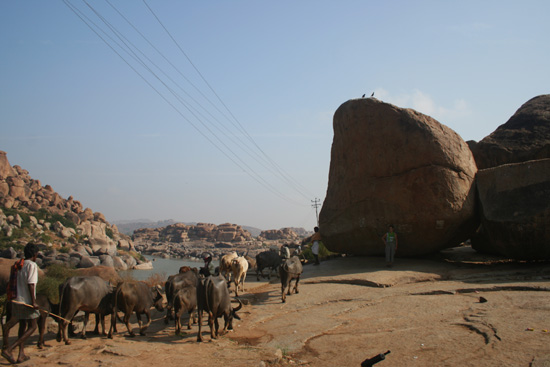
x=207 y=284
x=61 y=299
x=115 y=308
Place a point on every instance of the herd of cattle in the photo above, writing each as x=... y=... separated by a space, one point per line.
x=188 y=291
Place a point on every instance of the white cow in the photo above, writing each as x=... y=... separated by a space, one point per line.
x=225 y=265
x=239 y=266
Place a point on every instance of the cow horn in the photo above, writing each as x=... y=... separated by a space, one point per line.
x=239 y=306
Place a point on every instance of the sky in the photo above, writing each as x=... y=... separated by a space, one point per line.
x=221 y=111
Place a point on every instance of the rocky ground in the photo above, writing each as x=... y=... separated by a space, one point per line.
x=426 y=312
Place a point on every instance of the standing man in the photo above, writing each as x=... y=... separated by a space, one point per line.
x=390 y=240
x=316 y=238
x=21 y=306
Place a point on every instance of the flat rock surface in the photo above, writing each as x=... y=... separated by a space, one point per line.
x=456 y=309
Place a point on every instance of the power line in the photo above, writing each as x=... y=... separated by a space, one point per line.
x=128 y=47
x=246 y=169
x=297 y=186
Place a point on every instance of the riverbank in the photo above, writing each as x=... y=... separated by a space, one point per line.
x=426 y=312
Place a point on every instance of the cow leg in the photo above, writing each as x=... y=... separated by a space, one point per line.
x=112 y=329
x=178 y=321
x=211 y=322
x=64 y=325
x=283 y=292
x=216 y=327
x=191 y=316
x=168 y=314
x=296 y=284
x=86 y=319
x=102 y=319
x=126 y=320
x=42 y=329
x=199 y=335
x=143 y=328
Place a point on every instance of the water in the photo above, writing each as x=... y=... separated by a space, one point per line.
x=163 y=267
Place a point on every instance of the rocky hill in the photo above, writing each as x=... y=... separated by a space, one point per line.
x=191 y=241
x=79 y=237
x=68 y=232
x=129 y=226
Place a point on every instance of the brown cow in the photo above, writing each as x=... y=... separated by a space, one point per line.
x=138 y=297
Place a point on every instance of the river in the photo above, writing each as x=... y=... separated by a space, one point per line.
x=163 y=267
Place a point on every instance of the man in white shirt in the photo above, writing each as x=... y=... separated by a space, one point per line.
x=23 y=307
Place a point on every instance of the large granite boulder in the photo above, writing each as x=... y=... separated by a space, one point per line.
x=396 y=166
x=5 y=167
x=515 y=210
x=524 y=137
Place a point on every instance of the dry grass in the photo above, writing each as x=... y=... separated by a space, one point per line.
x=156 y=279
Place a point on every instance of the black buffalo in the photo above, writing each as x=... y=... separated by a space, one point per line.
x=185 y=300
x=88 y=294
x=213 y=297
x=290 y=269
x=267 y=259
x=136 y=297
x=174 y=284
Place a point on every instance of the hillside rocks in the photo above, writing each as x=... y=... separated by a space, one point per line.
x=19 y=191
x=191 y=241
x=280 y=234
x=524 y=137
x=37 y=213
x=396 y=166
x=515 y=210
x=180 y=233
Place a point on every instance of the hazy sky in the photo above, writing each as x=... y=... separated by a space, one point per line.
x=221 y=111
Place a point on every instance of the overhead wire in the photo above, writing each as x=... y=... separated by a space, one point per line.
x=242 y=145
x=130 y=49
x=247 y=169
x=297 y=186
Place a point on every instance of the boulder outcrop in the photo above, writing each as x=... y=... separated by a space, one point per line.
x=515 y=210
x=181 y=233
x=45 y=217
x=524 y=137
x=279 y=234
x=396 y=166
x=20 y=192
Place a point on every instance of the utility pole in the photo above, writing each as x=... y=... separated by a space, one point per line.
x=316 y=204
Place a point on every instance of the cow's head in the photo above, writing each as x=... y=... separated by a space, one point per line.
x=157 y=298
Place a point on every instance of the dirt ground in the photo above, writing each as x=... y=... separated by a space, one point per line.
x=456 y=309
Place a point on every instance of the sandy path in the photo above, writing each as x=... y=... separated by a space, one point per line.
x=427 y=312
